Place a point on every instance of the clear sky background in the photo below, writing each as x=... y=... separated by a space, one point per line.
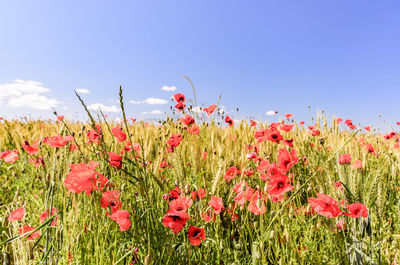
x=335 y=55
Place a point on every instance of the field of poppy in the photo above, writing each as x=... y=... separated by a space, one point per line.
x=198 y=188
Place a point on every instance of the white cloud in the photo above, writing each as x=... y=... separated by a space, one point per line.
x=150 y=101
x=168 y=88
x=153 y=112
x=82 y=90
x=271 y=112
x=97 y=106
x=26 y=94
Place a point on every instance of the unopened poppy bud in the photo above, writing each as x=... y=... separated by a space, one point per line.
x=262 y=245
x=148 y=259
x=259 y=203
x=237 y=246
x=272 y=234
x=286 y=234
x=243 y=187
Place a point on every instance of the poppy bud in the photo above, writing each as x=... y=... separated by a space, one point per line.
x=259 y=203
x=237 y=246
x=148 y=259
x=272 y=234
x=243 y=187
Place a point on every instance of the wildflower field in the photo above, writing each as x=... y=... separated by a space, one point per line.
x=198 y=188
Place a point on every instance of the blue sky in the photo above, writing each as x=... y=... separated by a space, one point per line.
x=339 y=56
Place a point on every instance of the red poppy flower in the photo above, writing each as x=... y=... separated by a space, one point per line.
x=357 y=210
x=338 y=185
x=94 y=135
x=341 y=224
x=37 y=162
x=210 y=109
x=301 y=123
x=128 y=147
x=278 y=185
x=188 y=120
x=217 y=204
x=31 y=150
x=345 y=159
x=288 y=115
x=122 y=219
x=325 y=206
x=367 y=128
x=196 y=235
x=59 y=141
x=398 y=123
x=46 y=214
x=60 y=118
x=119 y=134
x=231 y=173
x=175 y=220
x=83 y=177
x=253 y=123
x=174 y=140
x=180 y=106
x=173 y=194
x=286 y=127
x=17 y=214
x=111 y=199
x=10 y=156
x=201 y=193
x=315 y=132
x=194 y=130
x=339 y=120
x=370 y=149
x=229 y=120
x=208 y=216
x=73 y=148
x=181 y=204
x=179 y=97
x=257 y=206
x=357 y=164
x=273 y=135
x=288 y=142
x=246 y=193
x=251 y=155
x=286 y=160
x=115 y=160
x=261 y=135
x=271 y=168
x=350 y=124
x=26 y=229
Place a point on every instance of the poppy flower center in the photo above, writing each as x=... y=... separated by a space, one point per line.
x=176 y=218
x=196 y=233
